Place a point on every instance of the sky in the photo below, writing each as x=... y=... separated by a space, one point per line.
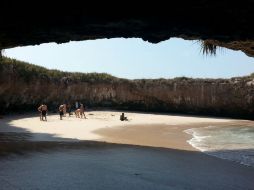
x=134 y=58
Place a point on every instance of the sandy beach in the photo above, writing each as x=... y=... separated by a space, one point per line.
x=157 y=130
x=149 y=151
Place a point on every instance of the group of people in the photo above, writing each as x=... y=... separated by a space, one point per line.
x=63 y=110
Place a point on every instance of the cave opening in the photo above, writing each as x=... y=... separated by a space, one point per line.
x=126 y=58
x=177 y=103
x=171 y=76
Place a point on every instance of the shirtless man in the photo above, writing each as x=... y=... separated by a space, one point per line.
x=82 y=111
x=77 y=113
x=68 y=108
x=64 y=110
x=43 y=109
x=61 y=111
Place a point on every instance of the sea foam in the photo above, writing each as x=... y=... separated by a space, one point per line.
x=231 y=142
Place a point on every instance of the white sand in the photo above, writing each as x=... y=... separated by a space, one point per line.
x=83 y=129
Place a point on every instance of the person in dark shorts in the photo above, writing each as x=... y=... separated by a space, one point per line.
x=68 y=107
x=43 y=109
x=61 y=111
x=44 y=114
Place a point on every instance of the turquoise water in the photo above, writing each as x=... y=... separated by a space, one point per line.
x=234 y=143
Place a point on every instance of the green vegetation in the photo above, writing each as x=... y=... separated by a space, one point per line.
x=208 y=48
x=252 y=75
x=29 y=72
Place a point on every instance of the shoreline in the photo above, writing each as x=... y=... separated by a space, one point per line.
x=145 y=129
x=101 y=152
x=157 y=135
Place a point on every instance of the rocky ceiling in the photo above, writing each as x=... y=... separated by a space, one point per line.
x=222 y=23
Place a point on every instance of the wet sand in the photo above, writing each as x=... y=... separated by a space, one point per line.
x=92 y=154
x=165 y=136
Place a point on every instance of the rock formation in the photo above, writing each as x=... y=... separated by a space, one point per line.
x=223 y=23
x=22 y=87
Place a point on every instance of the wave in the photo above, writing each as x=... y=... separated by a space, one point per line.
x=235 y=143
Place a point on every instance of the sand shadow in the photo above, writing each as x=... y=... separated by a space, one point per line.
x=19 y=140
x=15 y=140
x=100 y=165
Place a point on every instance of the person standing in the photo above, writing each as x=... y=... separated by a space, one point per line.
x=43 y=109
x=64 y=110
x=61 y=111
x=68 y=107
x=76 y=105
x=40 y=110
x=44 y=112
x=82 y=111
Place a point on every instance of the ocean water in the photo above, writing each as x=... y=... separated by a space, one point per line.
x=232 y=142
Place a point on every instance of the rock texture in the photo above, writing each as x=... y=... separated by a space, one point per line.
x=224 y=23
x=232 y=97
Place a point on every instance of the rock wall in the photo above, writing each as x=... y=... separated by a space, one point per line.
x=232 y=97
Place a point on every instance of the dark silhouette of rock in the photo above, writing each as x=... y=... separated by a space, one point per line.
x=224 y=23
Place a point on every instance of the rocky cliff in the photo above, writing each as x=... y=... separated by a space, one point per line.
x=24 y=87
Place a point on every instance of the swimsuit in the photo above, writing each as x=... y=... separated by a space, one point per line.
x=43 y=112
